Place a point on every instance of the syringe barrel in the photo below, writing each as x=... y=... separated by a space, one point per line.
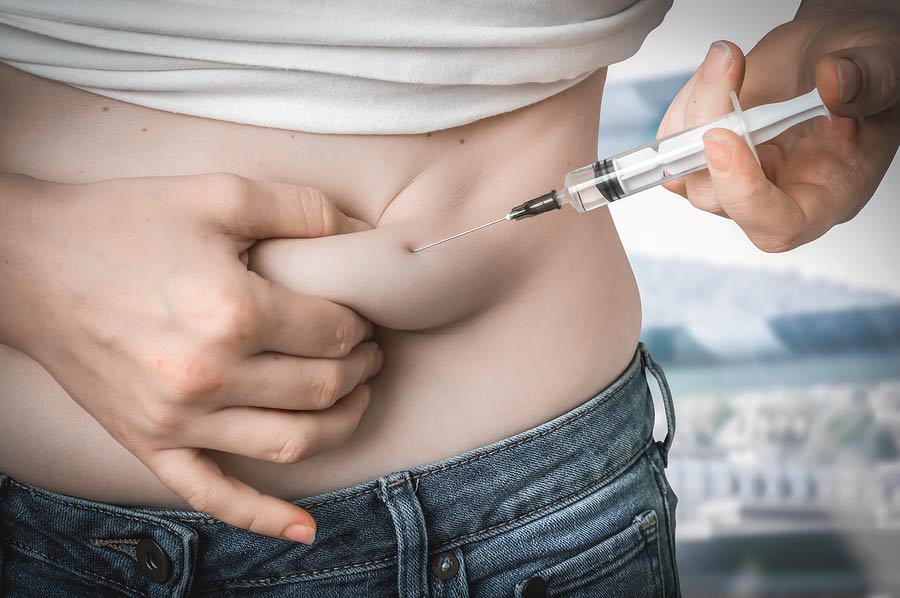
x=592 y=186
x=675 y=156
x=638 y=169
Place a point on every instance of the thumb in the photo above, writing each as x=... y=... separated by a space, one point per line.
x=860 y=82
x=255 y=210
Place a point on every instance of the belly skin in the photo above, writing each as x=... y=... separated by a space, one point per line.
x=461 y=325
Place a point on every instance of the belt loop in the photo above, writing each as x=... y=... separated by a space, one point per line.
x=397 y=493
x=666 y=395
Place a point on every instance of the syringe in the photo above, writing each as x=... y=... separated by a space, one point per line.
x=663 y=160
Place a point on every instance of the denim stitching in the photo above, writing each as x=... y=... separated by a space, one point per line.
x=240 y=582
x=606 y=480
x=116 y=545
x=650 y=531
x=115 y=541
x=652 y=521
x=39 y=494
x=619 y=558
x=207 y=520
x=658 y=477
x=664 y=488
x=27 y=549
x=614 y=392
x=659 y=566
x=592 y=486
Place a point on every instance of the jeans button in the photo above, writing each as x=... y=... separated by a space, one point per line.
x=445 y=565
x=153 y=561
x=534 y=588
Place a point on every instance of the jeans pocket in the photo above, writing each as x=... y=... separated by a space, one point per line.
x=625 y=564
x=27 y=572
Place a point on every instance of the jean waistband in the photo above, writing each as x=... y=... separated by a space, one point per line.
x=457 y=499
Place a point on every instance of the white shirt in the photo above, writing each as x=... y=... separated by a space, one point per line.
x=325 y=66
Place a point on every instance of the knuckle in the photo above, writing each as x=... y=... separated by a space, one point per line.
x=346 y=333
x=704 y=202
x=226 y=185
x=316 y=208
x=235 y=317
x=201 y=497
x=292 y=449
x=231 y=196
x=779 y=243
x=163 y=419
x=133 y=437
x=223 y=179
x=327 y=386
x=191 y=377
x=795 y=232
x=253 y=521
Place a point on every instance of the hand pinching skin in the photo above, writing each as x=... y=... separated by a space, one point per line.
x=145 y=282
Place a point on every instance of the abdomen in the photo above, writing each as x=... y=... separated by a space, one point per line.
x=460 y=324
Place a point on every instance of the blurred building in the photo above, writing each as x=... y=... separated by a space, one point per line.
x=787 y=452
x=785 y=368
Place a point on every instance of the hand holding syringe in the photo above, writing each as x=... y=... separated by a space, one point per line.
x=663 y=160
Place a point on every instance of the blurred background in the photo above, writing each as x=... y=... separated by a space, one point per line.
x=785 y=368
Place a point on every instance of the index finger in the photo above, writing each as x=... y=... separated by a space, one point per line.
x=774 y=219
x=194 y=476
x=673 y=120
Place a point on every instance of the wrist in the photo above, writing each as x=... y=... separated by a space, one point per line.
x=20 y=245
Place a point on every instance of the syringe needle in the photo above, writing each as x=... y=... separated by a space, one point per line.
x=471 y=230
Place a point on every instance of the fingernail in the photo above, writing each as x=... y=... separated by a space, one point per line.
x=717 y=61
x=717 y=152
x=299 y=532
x=849 y=79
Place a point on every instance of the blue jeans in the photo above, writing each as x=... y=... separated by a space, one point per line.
x=577 y=506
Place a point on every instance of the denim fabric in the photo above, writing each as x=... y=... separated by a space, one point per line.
x=577 y=506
